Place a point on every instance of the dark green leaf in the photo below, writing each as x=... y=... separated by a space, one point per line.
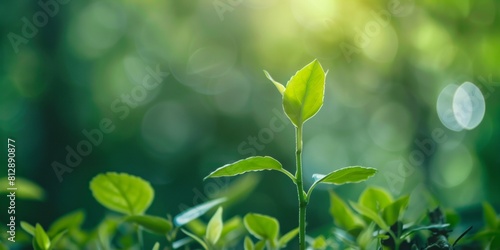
x=153 y=224
x=122 y=193
x=490 y=216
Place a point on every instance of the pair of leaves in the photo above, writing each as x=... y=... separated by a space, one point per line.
x=304 y=92
x=122 y=193
x=258 y=163
x=266 y=228
x=41 y=240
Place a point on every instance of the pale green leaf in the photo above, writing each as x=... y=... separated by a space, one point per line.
x=393 y=211
x=262 y=226
x=342 y=214
x=57 y=238
x=41 y=240
x=490 y=216
x=254 y=163
x=278 y=85
x=232 y=225
x=214 y=227
x=28 y=228
x=260 y=245
x=319 y=243
x=287 y=237
x=375 y=198
x=196 y=211
x=156 y=246
x=196 y=238
x=66 y=222
x=303 y=96
x=153 y=224
x=345 y=175
x=248 y=244
x=370 y=214
x=27 y=189
x=122 y=193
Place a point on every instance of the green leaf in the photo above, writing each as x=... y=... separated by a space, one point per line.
x=278 y=85
x=260 y=245
x=348 y=175
x=156 y=246
x=122 y=193
x=28 y=228
x=366 y=236
x=193 y=213
x=288 y=237
x=413 y=229
x=248 y=243
x=370 y=214
x=262 y=226
x=490 y=216
x=40 y=240
x=375 y=199
x=343 y=216
x=303 y=96
x=255 y=163
x=66 y=222
x=319 y=243
x=27 y=190
x=153 y=224
x=392 y=212
x=196 y=238
x=232 y=225
x=214 y=227
x=57 y=238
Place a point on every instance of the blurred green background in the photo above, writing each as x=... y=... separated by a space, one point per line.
x=391 y=98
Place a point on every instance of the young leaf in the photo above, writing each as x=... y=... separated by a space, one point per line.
x=287 y=237
x=260 y=245
x=57 y=238
x=278 y=85
x=214 y=227
x=370 y=214
x=122 y=193
x=196 y=211
x=303 y=96
x=40 y=241
x=262 y=226
x=375 y=199
x=66 y=222
x=232 y=225
x=255 y=163
x=392 y=212
x=153 y=224
x=343 y=215
x=196 y=238
x=28 y=228
x=348 y=175
x=248 y=244
x=490 y=216
x=319 y=243
x=156 y=246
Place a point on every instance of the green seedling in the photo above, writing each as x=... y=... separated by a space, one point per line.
x=302 y=99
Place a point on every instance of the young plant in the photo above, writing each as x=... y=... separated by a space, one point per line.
x=302 y=99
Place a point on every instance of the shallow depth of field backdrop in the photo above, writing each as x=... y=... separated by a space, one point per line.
x=176 y=89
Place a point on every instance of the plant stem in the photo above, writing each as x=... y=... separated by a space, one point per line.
x=300 y=189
